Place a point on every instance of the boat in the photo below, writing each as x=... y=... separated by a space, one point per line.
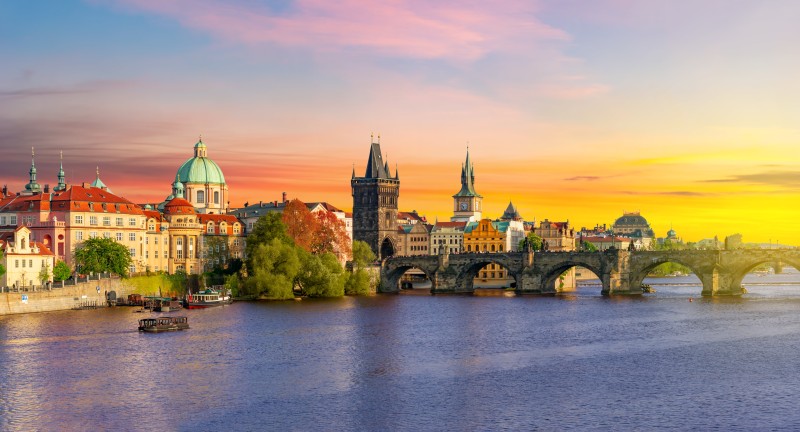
x=205 y=299
x=154 y=325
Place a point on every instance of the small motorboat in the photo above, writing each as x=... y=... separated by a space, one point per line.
x=154 y=325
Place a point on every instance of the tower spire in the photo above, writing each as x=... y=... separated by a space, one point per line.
x=62 y=184
x=32 y=186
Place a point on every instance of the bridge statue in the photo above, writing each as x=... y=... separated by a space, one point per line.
x=620 y=271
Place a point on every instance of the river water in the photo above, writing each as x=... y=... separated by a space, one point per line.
x=418 y=362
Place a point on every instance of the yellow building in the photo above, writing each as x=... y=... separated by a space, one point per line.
x=487 y=236
x=26 y=262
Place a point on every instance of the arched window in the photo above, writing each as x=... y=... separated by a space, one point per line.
x=216 y=197
x=201 y=196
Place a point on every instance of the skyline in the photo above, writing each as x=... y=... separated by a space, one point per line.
x=684 y=112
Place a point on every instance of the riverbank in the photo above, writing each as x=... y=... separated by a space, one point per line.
x=89 y=293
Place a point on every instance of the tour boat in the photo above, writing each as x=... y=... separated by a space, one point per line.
x=154 y=325
x=205 y=299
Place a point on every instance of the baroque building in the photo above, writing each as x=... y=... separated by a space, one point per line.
x=375 y=197
x=203 y=182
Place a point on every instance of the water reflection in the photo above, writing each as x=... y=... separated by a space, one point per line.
x=416 y=362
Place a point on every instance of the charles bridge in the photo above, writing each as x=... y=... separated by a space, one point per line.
x=620 y=271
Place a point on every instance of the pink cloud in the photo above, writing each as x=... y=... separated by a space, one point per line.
x=406 y=28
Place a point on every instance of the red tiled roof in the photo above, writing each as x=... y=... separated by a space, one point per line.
x=450 y=224
x=179 y=205
x=78 y=198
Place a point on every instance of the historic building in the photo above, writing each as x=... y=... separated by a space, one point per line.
x=414 y=239
x=515 y=232
x=27 y=263
x=375 y=197
x=635 y=227
x=447 y=237
x=467 y=202
x=488 y=236
x=560 y=237
x=203 y=183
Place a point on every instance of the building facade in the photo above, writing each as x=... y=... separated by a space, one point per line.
x=375 y=197
x=447 y=237
x=203 y=182
x=27 y=263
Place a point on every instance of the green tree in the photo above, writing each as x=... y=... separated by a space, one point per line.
x=321 y=275
x=61 y=271
x=358 y=282
x=267 y=228
x=534 y=240
x=2 y=267
x=274 y=265
x=100 y=255
x=589 y=247
x=44 y=274
x=362 y=254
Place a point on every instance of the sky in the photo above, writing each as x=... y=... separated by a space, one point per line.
x=686 y=111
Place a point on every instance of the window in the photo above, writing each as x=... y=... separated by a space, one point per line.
x=120 y=222
x=23 y=263
x=155 y=254
x=16 y=263
x=236 y=228
x=78 y=219
x=132 y=236
x=146 y=240
x=179 y=248
x=151 y=227
x=201 y=197
x=236 y=242
x=93 y=220
x=2 y=220
x=146 y=254
x=106 y=220
x=106 y=234
x=133 y=252
x=132 y=222
x=12 y=220
x=79 y=235
x=210 y=229
x=119 y=237
x=93 y=234
x=132 y=269
x=155 y=240
x=216 y=197
x=30 y=263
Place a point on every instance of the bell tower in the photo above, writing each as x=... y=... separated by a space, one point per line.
x=467 y=202
x=375 y=198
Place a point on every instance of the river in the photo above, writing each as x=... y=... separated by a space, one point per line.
x=414 y=362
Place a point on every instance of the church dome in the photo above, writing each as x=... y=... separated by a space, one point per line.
x=177 y=206
x=200 y=169
x=631 y=219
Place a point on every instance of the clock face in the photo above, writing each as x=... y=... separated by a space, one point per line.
x=463 y=206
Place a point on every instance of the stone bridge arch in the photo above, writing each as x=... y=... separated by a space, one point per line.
x=393 y=269
x=551 y=273
x=742 y=262
x=703 y=268
x=468 y=270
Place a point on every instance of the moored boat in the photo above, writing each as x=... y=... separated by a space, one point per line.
x=154 y=325
x=205 y=299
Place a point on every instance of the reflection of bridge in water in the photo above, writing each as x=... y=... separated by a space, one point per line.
x=619 y=271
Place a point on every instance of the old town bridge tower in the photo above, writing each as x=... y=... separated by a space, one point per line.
x=375 y=204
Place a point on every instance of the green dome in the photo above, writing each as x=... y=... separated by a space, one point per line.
x=200 y=170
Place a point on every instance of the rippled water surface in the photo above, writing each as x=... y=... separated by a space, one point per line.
x=418 y=362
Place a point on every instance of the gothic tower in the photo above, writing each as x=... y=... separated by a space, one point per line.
x=467 y=202
x=375 y=204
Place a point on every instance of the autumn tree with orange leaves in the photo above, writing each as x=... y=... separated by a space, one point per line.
x=318 y=233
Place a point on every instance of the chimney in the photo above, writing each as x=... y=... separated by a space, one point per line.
x=5 y=190
x=275 y=203
x=284 y=197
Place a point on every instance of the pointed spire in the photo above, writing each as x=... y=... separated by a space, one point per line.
x=99 y=183
x=177 y=187
x=354 y=171
x=62 y=184
x=396 y=172
x=32 y=186
x=467 y=179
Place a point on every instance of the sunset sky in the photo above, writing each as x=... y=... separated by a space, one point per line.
x=688 y=111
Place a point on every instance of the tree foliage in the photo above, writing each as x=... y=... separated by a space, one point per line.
x=321 y=275
x=61 y=271
x=589 y=247
x=44 y=274
x=330 y=236
x=359 y=282
x=534 y=240
x=301 y=224
x=362 y=254
x=275 y=265
x=2 y=267
x=267 y=228
x=101 y=255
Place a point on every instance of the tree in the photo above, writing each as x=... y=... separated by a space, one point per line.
x=330 y=236
x=2 y=267
x=359 y=281
x=61 y=271
x=99 y=255
x=267 y=228
x=274 y=267
x=589 y=247
x=534 y=240
x=321 y=275
x=362 y=254
x=44 y=274
x=301 y=224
